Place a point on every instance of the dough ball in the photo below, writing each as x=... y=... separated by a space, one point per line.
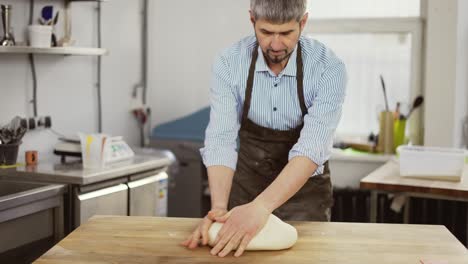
x=275 y=235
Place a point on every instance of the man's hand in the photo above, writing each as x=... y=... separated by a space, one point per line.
x=201 y=232
x=241 y=224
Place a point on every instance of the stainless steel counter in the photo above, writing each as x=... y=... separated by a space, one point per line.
x=74 y=173
x=41 y=204
x=29 y=212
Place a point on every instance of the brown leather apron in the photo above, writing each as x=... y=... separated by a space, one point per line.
x=263 y=154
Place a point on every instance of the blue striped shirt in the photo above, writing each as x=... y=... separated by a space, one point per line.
x=275 y=101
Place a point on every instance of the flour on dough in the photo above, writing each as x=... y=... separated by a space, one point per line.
x=275 y=235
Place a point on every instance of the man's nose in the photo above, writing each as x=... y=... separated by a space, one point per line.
x=276 y=43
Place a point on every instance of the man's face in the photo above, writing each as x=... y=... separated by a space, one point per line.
x=278 y=41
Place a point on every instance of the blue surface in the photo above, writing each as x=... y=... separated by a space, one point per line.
x=191 y=127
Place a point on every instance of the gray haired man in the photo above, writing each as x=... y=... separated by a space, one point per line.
x=280 y=94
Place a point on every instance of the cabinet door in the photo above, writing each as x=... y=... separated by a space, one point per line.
x=107 y=201
x=185 y=190
x=148 y=196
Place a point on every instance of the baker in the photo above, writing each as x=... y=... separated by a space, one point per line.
x=276 y=100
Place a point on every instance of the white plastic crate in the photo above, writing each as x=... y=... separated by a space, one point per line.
x=431 y=162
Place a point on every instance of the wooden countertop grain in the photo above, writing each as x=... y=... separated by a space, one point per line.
x=120 y=239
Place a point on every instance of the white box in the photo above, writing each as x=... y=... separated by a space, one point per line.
x=431 y=162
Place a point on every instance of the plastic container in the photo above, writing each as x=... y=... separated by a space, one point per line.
x=399 y=127
x=92 y=149
x=40 y=36
x=431 y=162
x=9 y=153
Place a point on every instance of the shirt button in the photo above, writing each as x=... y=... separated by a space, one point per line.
x=274 y=108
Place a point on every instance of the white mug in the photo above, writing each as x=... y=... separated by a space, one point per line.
x=40 y=36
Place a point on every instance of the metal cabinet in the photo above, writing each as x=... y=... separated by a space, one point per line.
x=141 y=194
x=29 y=212
x=112 y=200
x=148 y=196
x=24 y=239
x=188 y=179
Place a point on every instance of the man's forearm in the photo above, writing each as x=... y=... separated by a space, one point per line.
x=220 y=180
x=294 y=175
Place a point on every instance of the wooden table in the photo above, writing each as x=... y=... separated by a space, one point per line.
x=126 y=239
x=387 y=179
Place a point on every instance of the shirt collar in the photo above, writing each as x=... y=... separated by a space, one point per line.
x=291 y=67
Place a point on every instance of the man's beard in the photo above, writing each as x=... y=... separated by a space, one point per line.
x=276 y=59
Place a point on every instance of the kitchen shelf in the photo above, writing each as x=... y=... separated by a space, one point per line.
x=54 y=50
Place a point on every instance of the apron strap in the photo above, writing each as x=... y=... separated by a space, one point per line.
x=300 y=79
x=250 y=79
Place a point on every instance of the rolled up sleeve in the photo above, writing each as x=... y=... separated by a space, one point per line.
x=222 y=131
x=322 y=118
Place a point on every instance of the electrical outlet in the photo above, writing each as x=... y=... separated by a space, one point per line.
x=44 y=121
x=32 y=123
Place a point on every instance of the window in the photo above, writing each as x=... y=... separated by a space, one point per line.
x=373 y=38
x=319 y=9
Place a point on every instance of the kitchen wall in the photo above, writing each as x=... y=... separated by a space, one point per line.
x=461 y=93
x=66 y=84
x=181 y=51
x=446 y=70
x=184 y=38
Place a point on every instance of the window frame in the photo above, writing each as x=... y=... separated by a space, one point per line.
x=406 y=25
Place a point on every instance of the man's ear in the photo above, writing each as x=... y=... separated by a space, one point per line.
x=252 y=19
x=303 y=21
